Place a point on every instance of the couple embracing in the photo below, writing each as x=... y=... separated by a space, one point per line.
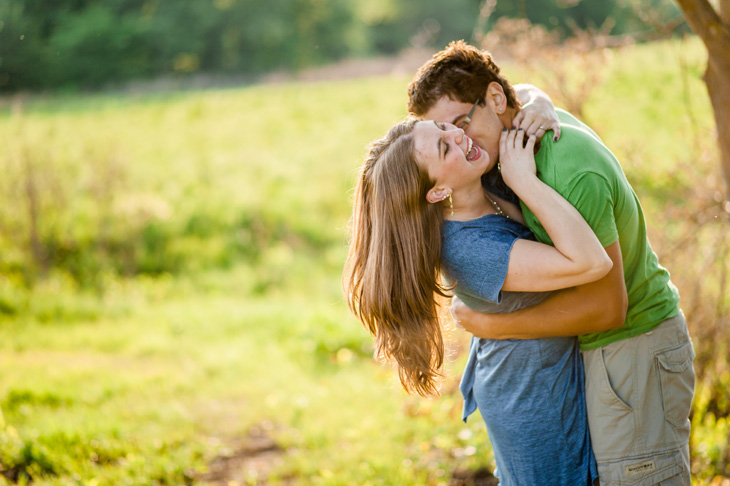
x=580 y=362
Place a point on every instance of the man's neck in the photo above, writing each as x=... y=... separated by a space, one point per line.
x=508 y=116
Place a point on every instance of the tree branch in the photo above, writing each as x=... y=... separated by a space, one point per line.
x=708 y=25
x=702 y=17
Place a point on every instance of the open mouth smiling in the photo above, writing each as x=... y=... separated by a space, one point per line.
x=473 y=152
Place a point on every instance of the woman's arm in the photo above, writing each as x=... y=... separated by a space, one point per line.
x=577 y=257
x=537 y=111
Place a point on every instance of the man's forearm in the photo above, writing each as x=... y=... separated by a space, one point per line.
x=567 y=313
x=597 y=306
x=526 y=93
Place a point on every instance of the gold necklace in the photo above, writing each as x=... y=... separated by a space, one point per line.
x=496 y=206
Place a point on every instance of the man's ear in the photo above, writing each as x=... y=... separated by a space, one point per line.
x=495 y=97
x=437 y=194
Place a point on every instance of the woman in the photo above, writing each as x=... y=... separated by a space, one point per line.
x=420 y=211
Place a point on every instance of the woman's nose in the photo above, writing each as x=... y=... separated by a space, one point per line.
x=458 y=134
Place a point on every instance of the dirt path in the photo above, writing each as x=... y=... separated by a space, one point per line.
x=249 y=462
x=256 y=456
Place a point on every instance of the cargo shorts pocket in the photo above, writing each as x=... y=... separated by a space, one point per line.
x=677 y=380
x=610 y=418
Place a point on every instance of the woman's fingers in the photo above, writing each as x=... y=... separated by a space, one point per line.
x=531 y=143
x=511 y=139
x=519 y=138
x=503 y=141
x=556 y=130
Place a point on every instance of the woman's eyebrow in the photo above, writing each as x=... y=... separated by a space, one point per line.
x=438 y=144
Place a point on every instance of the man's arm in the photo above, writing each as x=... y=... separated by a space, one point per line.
x=593 y=307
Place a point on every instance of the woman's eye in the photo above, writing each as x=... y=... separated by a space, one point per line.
x=446 y=150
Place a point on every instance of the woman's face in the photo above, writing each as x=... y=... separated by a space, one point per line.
x=449 y=156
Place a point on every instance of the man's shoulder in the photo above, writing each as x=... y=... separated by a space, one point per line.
x=576 y=132
x=579 y=151
x=578 y=137
x=567 y=118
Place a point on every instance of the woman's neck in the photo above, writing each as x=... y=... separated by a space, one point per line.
x=468 y=203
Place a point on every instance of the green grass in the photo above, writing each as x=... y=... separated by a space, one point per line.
x=197 y=240
x=183 y=372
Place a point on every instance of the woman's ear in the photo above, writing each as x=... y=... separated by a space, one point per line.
x=437 y=194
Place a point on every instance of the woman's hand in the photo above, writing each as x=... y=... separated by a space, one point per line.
x=537 y=115
x=516 y=158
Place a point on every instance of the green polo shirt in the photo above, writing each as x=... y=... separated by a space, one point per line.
x=582 y=169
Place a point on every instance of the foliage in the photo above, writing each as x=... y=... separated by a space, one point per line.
x=90 y=43
x=624 y=16
x=82 y=43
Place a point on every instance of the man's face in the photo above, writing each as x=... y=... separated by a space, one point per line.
x=485 y=128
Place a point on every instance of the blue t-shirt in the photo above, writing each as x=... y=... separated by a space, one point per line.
x=530 y=393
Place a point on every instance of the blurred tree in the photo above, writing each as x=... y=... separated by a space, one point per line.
x=565 y=15
x=436 y=23
x=91 y=42
x=95 y=46
x=177 y=32
x=21 y=47
x=713 y=27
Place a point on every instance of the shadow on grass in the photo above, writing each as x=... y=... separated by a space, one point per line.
x=478 y=477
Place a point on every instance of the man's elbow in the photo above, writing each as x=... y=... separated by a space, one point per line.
x=615 y=314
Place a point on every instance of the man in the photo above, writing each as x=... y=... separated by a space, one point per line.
x=636 y=348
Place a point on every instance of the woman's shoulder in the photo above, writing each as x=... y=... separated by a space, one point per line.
x=475 y=255
x=490 y=234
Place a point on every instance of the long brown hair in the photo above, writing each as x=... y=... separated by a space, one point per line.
x=391 y=277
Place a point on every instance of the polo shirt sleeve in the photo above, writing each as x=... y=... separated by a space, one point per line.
x=593 y=196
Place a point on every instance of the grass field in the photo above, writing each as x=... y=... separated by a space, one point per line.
x=170 y=303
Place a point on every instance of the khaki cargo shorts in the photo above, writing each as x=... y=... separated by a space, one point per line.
x=639 y=395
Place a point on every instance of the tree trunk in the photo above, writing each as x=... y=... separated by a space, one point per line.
x=718 y=86
x=713 y=27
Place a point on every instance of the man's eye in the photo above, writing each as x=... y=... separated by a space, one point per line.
x=463 y=124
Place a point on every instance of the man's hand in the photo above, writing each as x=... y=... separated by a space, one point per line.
x=464 y=318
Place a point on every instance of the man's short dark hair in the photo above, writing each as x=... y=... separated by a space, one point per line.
x=462 y=73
